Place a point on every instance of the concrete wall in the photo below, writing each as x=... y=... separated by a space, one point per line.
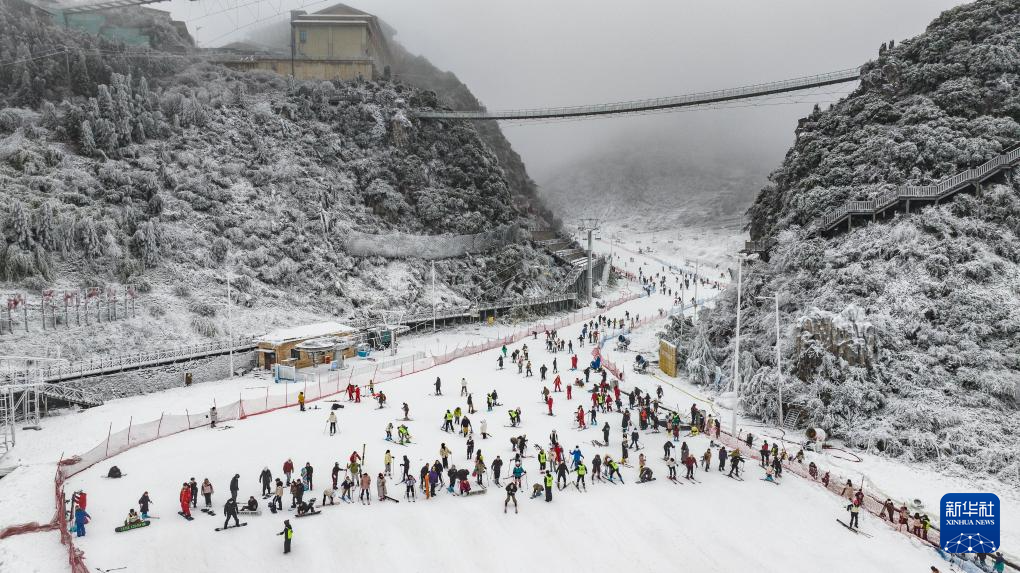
x=163 y=377
x=309 y=69
x=342 y=42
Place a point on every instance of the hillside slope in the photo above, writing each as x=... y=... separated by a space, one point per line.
x=898 y=337
x=167 y=183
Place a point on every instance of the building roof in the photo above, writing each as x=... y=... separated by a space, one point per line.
x=342 y=9
x=306 y=331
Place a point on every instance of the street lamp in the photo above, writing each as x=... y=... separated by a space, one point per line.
x=779 y=367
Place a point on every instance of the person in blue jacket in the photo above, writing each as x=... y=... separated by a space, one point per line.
x=81 y=517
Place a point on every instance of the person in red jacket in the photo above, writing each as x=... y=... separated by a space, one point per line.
x=573 y=362
x=186 y=500
x=557 y=385
x=580 y=417
x=549 y=402
x=616 y=393
x=288 y=468
x=355 y=457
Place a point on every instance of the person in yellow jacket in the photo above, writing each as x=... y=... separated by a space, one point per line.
x=388 y=463
x=448 y=422
x=582 y=471
x=288 y=534
x=301 y=400
x=542 y=459
x=548 y=486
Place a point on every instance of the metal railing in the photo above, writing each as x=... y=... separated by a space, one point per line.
x=937 y=191
x=687 y=100
x=130 y=361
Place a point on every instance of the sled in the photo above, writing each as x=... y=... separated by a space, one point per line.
x=137 y=525
x=243 y=523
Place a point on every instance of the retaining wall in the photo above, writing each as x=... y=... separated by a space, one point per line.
x=164 y=376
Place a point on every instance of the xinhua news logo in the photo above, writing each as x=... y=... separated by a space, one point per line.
x=970 y=523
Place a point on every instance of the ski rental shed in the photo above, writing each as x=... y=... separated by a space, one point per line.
x=306 y=345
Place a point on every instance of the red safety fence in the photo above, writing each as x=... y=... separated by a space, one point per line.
x=335 y=383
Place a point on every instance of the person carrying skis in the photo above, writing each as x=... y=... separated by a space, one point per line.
x=288 y=535
x=230 y=510
x=143 y=505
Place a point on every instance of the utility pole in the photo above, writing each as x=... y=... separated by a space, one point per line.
x=590 y=225
x=697 y=277
x=736 y=353
x=433 y=296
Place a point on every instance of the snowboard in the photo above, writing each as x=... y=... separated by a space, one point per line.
x=476 y=492
x=855 y=530
x=272 y=509
x=391 y=499
x=243 y=523
x=648 y=480
x=118 y=477
x=249 y=512
x=138 y=525
x=208 y=511
x=316 y=512
x=189 y=518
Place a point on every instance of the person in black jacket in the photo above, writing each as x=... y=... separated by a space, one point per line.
x=722 y=458
x=308 y=475
x=234 y=488
x=230 y=510
x=497 y=466
x=143 y=505
x=561 y=474
x=194 y=492
x=511 y=495
x=605 y=434
x=266 y=477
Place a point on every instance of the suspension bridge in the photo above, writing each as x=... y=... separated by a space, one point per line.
x=656 y=104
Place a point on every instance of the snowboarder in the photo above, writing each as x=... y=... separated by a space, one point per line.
x=193 y=486
x=278 y=495
x=185 y=498
x=207 y=491
x=288 y=535
x=230 y=510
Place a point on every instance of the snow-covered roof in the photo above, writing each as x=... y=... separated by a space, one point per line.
x=306 y=331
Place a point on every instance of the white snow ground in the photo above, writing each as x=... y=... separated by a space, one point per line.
x=718 y=524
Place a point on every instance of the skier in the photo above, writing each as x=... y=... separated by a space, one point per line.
x=666 y=449
x=288 y=534
x=671 y=464
x=380 y=486
x=407 y=411
x=581 y=470
x=511 y=495
x=448 y=421
x=689 y=463
x=230 y=510
x=143 y=505
x=335 y=473
x=366 y=484
x=497 y=466
x=596 y=468
x=266 y=478
x=409 y=483
x=561 y=475
x=577 y=455
x=332 y=422
x=855 y=510
x=549 y=403
x=722 y=458
x=605 y=434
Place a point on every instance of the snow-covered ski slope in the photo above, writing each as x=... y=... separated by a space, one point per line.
x=718 y=524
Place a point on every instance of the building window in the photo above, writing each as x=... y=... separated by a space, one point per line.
x=295 y=354
x=302 y=36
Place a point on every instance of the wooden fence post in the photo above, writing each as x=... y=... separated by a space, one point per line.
x=159 y=426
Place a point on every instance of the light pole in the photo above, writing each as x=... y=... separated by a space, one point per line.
x=736 y=353
x=433 y=296
x=230 y=322
x=779 y=366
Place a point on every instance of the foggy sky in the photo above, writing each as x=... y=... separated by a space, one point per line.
x=536 y=53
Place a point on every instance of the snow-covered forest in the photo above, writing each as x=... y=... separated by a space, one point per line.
x=899 y=337
x=164 y=171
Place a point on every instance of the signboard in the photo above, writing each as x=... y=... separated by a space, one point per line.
x=667 y=358
x=970 y=522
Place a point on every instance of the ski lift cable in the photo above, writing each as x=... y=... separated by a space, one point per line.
x=261 y=20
